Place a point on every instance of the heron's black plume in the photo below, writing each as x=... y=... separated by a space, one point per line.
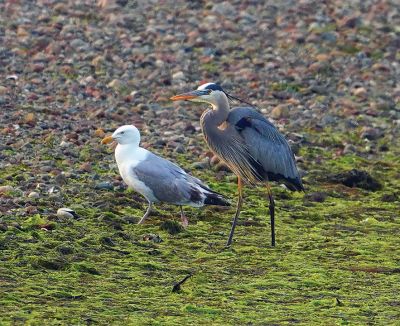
x=233 y=98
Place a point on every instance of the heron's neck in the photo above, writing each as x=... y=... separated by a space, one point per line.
x=212 y=119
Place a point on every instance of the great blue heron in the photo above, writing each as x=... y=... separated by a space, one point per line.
x=158 y=179
x=247 y=142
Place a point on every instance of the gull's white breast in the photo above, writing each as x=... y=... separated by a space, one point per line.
x=128 y=157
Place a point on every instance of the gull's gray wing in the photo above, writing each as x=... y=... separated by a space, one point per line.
x=169 y=183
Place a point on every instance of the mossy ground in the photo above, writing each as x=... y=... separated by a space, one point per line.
x=336 y=262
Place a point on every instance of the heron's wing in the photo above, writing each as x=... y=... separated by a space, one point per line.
x=266 y=145
x=169 y=183
x=230 y=147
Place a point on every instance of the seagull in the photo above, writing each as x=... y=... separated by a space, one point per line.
x=156 y=178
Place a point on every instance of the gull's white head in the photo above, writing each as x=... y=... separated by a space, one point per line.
x=127 y=134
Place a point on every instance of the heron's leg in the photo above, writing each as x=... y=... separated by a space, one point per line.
x=238 y=208
x=184 y=219
x=271 y=214
x=146 y=214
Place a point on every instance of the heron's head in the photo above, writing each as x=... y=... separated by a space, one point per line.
x=206 y=93
x=128 y=134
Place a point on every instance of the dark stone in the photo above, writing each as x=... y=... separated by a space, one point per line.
x=390 y=198
x=356 y=178
x=87 y=269
x=318 y=197
x=154 y=252
x=152 y=237
x=108 y=241
x=65 y=250
x=57 y=264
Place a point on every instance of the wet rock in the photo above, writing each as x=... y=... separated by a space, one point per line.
x=16 y=225
x=31 y=210
x=205 y=164
x=86 y=167
x=327 y=120
x=350 y=22
x=130 y=219
x=60 y=179
x=180 y=149
x=178 y=76
x=152 y=237
x=79 y=44
x=390 y=198
x=356 y=178
x=371 y=133
x=319 y=89
x=329 y=37
x=105 y=185
x=3 y=227
x=225 y=9
x=4 y=189
x=65 y=250
x=55 y=264
x=318 y=197
x=108 y=241
x=349 y=148
x=116 y=84
x=280 y=111
x=359 y=92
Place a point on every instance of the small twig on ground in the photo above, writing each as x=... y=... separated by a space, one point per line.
x=177 y=285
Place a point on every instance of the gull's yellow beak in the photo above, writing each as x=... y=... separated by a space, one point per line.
x=107 y=140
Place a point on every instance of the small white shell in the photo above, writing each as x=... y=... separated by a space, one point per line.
x=12 y=77
x=66 y=213
x=33 y=194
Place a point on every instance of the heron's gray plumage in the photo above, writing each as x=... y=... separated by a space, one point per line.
x=247 y=142
x=266 y=145
x=230 y=147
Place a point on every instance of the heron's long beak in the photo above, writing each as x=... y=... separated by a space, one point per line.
x=187 y=96
x=107 y=140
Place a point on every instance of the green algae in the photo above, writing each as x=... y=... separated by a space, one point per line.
x=335 y=260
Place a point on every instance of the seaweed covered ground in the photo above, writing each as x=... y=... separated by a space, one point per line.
x=326 y=73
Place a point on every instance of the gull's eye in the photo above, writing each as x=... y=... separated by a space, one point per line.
x=122 y=132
